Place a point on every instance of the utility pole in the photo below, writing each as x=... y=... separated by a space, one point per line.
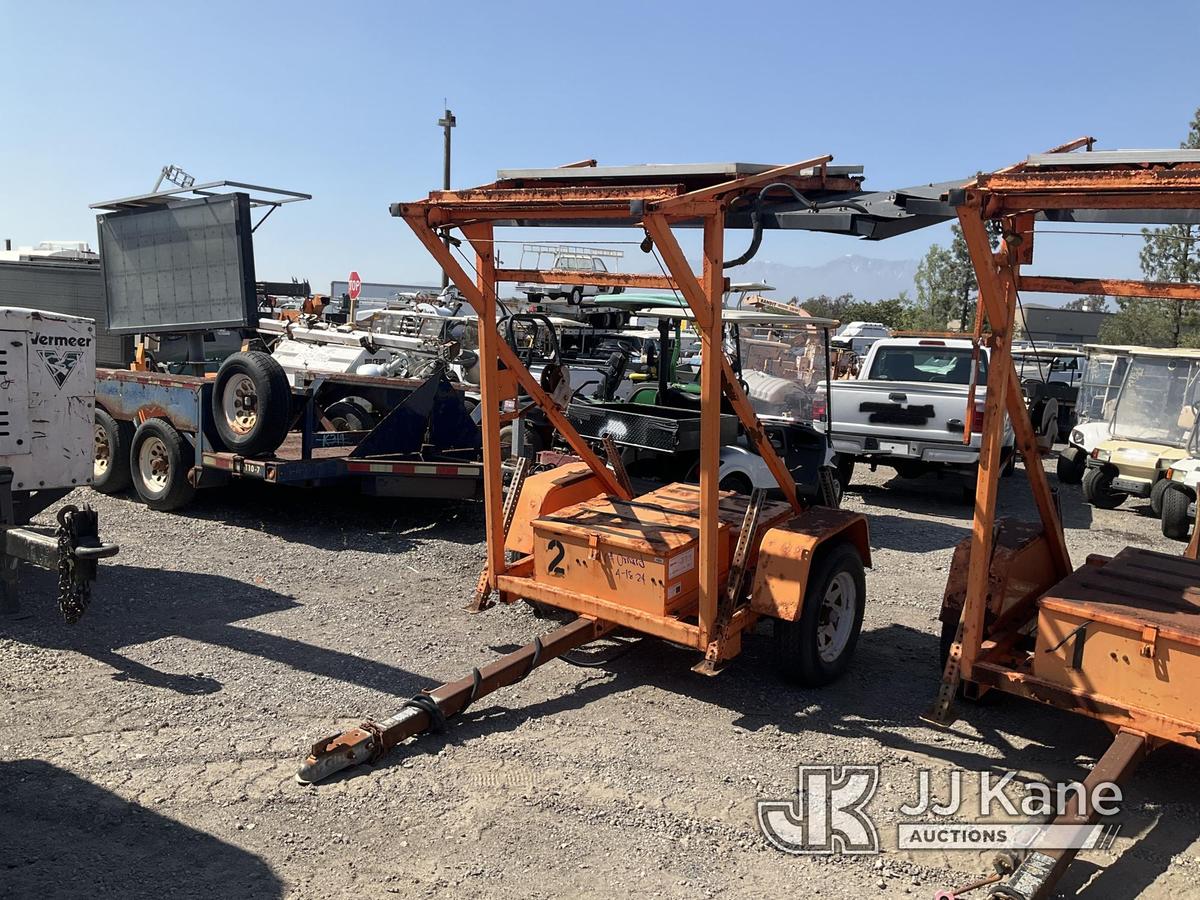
x=447 y=122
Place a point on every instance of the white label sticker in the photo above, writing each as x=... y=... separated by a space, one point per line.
x=684 y=562
x=676 y=588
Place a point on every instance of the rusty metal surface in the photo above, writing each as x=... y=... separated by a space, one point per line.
x=1135 y=589
x=786 y=553
x=1036 y=876
x=371 y=740
x=137 y=396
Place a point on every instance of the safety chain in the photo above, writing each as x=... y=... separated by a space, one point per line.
x=74 y=588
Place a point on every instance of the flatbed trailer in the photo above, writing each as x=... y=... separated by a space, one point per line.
x=392 y=459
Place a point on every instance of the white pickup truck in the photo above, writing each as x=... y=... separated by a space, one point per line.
x=907 y=409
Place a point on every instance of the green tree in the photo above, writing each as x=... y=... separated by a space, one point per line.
x=1090 y=303
x=946 y=286
x=1169 y=253
x=893 y=312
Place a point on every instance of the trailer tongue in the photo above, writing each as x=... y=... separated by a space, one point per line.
x=429 y=711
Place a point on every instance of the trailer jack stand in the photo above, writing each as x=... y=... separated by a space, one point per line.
x=429 y=711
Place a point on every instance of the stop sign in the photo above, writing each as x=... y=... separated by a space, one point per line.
x=355 y=285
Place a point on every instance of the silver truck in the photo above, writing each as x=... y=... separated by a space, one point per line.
x=907 y=409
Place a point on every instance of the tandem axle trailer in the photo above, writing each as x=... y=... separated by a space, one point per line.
x=378 y=436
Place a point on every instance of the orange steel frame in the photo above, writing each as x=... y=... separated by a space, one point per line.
x=475 y=213
x=1014 y=196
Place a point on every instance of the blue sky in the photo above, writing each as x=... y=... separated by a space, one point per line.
x=341 y=101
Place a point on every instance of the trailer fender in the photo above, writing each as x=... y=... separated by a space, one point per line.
x=545 y=493
x=786 y=555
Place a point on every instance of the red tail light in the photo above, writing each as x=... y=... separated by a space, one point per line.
x=977 y=419
x=820 y=409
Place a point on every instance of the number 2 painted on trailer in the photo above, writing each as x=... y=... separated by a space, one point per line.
x=559 y=552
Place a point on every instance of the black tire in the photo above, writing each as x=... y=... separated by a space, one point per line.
x=1176 y=523
x=798 y=651
x=110 y=461
x=531 y=439
x=1098 y=489
x=575 y=298
x=351 y=414
x=736 y=481
x=252 y=403
x=1156 y=495
x=1008 y=461
x=535 y=298
x=1072 y=463
x=159 y=459
x=845 y=471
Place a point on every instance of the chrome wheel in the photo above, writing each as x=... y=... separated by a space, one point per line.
x=835 y=621
x=154 y=465
x=239 y=402
x=102 y=454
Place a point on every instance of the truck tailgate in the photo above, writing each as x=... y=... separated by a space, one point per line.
x=899 y=411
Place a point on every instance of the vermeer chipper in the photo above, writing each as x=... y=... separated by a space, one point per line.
x=1117 y=639
x=691 y=564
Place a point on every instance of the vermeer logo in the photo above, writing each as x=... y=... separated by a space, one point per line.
x=61 y=363
x=59 y=340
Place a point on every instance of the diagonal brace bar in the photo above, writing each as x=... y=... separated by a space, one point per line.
x=475 y=297
x=677 y=265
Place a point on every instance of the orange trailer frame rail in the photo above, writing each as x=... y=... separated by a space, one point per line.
x=690 y=564
x=1118 y=639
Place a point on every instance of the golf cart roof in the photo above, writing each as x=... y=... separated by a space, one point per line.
x=745 y=317
x=1169 y=352
x=1046 y=351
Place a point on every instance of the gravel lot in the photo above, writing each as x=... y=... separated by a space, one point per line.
x=149 y=750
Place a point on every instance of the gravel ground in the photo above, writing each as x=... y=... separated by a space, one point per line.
x=149 y=750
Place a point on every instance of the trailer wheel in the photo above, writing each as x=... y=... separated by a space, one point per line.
x=351 y=414
x=816 y=648
x=736 y=482
x=252 y=403
x=1098 y=489
x=1072 y=463
x=1175 y=520
x=110 y=462
x=1156 y=495
x=160 y=458
x=530 y=438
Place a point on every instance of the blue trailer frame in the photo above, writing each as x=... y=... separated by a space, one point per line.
x=392 y=459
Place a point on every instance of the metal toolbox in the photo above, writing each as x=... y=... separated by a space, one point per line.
x=643 y=553
x=661 y=428
x=1127 y=630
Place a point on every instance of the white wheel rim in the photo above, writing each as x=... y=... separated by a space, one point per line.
x=154 y=465
x=239 y=403
x=103 y=452
x=835 y=619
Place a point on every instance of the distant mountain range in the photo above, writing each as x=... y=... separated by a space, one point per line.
x=864 y=277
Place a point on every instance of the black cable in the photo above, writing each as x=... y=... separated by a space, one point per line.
x=593 y=663
x=756 y=217
x=429 y=706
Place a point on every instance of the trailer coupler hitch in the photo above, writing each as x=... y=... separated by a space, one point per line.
x=429 y=711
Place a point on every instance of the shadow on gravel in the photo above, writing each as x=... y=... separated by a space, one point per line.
x=889 y=532
x=160 y=603
x=930 y=495
x=332 y=519
x=68 y=838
